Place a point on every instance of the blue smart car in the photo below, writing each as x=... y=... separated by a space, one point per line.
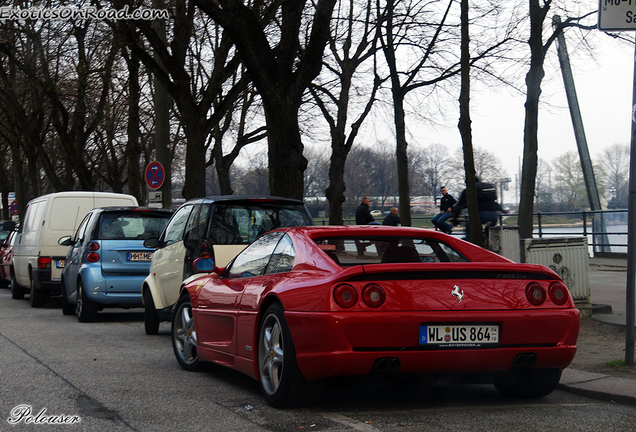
x=107 y=261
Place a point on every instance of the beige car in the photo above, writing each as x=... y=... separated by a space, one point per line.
x=217 y=227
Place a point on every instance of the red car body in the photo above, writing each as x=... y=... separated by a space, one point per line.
x=347 y=314
x=6 y=255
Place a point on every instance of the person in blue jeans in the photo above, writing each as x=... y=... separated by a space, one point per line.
x=446 y=212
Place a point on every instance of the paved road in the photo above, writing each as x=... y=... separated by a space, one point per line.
x=112 y=377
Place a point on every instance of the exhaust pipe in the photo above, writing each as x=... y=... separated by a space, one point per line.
x=525 y=360
x=387 y=364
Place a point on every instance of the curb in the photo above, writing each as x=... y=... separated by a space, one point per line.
x=598 y=386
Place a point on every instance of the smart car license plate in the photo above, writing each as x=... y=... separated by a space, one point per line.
x=459 y=336
x=139 y=256
x=60 y=263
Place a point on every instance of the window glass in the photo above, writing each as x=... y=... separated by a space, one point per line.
x=242 y=224
x=79 y=234
x=376 y=250
x=176 y=226
x=253 y=260
x=33 y=217
x=131 y=225
x=283 y=257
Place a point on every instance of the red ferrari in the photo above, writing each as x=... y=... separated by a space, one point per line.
x=300 y=304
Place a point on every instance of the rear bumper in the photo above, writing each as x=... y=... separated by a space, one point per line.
x=330 y=344
x=42 y=281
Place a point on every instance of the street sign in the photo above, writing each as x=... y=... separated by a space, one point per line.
x=155 y=175
x=616 y=15
x=14 y=207
x=155 y=197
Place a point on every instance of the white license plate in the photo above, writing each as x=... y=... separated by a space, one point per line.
x=139 y=256
x=60 y=263
x=459 y=336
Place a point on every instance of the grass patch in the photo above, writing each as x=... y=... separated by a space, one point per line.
x=618 y=364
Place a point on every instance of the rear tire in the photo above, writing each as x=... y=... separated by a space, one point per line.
x=528 y=383
x=86 y=308
x=67 y=308
x=38 y=297
x=17 y=292
x=284 y=386
x=151 y=319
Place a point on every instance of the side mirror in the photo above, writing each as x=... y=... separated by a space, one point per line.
x=65 y=241
x=205 y=265
x=151 y=243
x=8 y=226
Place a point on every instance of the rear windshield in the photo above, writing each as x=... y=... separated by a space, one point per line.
x=242 y=224
x=378 y=250
x=131 y=225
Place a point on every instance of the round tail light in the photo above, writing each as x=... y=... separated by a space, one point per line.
x=93 y=246
x=535 y=293
x=345 y=295
x=558 y=293
x=92 y=257
x=373 y=295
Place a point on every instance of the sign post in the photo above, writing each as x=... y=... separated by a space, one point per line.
x=619 y=15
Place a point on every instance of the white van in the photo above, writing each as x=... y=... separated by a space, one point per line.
x=38 y=259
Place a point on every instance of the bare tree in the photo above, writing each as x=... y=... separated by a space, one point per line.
x=614 y=161
x=281 y=67
x=353 y=42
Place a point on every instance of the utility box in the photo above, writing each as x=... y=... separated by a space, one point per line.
x=569 y=258
x=504 y=240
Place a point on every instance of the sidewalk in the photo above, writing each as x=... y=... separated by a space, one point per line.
x=608 y=280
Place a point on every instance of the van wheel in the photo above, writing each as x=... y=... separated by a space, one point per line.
x=38 y=297
x=151 y=320
x=86 y=308
x=17 y=292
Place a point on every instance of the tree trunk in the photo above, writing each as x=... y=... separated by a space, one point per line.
x=534 y=78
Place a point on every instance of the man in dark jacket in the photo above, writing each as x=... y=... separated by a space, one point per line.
x=392 y=218
x=486 y=202
x=445 y=212
x=363 y=214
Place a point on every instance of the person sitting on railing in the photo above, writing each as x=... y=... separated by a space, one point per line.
x=486 y=202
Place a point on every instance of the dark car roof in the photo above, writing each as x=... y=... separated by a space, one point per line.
x=244 y=199
x=139 y=209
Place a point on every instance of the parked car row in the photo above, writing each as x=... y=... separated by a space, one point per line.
x=248 y=284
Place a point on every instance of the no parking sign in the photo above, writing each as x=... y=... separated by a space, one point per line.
x=155 y=175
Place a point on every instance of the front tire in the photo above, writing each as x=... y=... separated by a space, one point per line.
x=184 y=336
x=528 y=383
x=86 y=309
x=151 y=319
x=282 y=382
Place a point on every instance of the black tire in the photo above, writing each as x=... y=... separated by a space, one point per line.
x=151 y=319
x=37 y=296
x=67 y=308
x=184 y=336
x=17 y=292
x=528 y=383
x=86 y=309
x=284 y=386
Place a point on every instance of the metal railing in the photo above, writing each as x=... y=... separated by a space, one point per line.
x=606 y=229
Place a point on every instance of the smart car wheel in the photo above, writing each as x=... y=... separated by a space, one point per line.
x=151 y=320
x=281 y=380
x=37 y=297
x=86 y=308
x=67 y=308
x=184 y=336
x=17 y=292
x=528 y=383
